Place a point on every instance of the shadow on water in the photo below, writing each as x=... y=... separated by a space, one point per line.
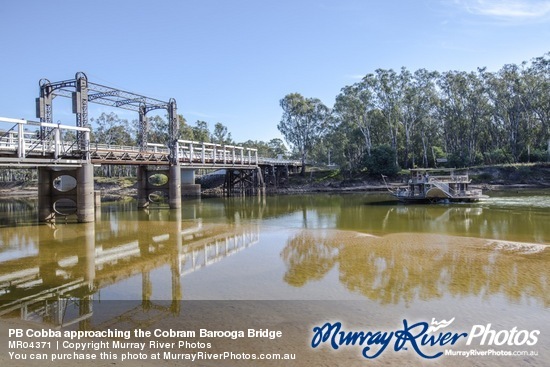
x=382 y=203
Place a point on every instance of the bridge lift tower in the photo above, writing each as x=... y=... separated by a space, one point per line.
x=82 y=92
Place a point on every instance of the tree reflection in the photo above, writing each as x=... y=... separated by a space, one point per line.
x=402 y=268
x=308 y=257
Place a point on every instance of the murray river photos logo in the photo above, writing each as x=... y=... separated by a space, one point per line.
x=427 y=340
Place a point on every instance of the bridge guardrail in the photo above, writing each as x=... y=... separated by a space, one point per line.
x=18 y=141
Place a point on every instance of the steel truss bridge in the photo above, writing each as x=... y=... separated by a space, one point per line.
x=45 y=143
x=62 y=150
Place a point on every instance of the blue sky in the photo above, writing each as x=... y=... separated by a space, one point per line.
x=232 y=61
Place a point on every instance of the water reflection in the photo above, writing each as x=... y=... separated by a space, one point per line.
x=309 y=256
x=493 y=219
x=16 y=211
x=391 y=254
x=406 y=267
x=53 y=273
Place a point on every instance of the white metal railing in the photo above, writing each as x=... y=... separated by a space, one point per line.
x=17 y=139
x=210 y=153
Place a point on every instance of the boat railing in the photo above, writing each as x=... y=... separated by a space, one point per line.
x=445 y=188
x=453 y=178
x=455 y=193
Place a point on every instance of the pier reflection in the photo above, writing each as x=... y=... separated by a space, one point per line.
x=52 y=274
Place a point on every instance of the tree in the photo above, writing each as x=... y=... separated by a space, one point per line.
x=381 y=161
x=186 y=132
x=417 y=108
x=303 y=123
x=158 y=130
x=221 y=135
x=201 y=132
x=360 y=123
x=112 y=130
x=464 y=110
x=277 y=146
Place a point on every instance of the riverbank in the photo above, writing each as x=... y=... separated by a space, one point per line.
x=502 y=177
x=488 y=178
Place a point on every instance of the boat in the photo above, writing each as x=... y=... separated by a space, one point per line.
x=434 y=185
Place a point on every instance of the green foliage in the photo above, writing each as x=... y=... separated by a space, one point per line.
x=271 y=149
x=498 y=156
x=110 y=129
x=381 y=161
x=221 y=134
x=478 y=117
x=304 y=122
x=536 y=155
x=158 y=179
x=201 y=132
x=482 y=178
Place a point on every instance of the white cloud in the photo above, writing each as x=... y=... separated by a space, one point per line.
x=355 y=76
x=508 y=9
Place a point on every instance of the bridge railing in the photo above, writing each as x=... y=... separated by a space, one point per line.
x=210 y=153
x=22 y=140
x=152 y=148
x=18 y=139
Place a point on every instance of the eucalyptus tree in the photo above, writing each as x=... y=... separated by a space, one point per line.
x=158 y=130
x=388 y=87
x=510 y=108
x=353 y=107
x=186 y=132
x=464 y=110
x=303 y=123
x=277 y=147
x=201 y=132
x=426 y=133
x=417 y=107
x=537 y=92
x=221 y=134
x=112 y=130
x=261 y=146
x=354 y=112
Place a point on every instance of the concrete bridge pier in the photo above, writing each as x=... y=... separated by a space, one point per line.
x=170 y=186
x=63 y=192
x=45 y=209
x=188 y=186
x=85 y=197
x=142 y=199
x=174 y=186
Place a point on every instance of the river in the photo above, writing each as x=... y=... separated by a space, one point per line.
x=381 y=262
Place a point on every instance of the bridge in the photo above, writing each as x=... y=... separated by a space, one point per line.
x=20 y=147
x=65 y=153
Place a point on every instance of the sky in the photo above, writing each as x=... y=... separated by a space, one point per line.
x=232 y=61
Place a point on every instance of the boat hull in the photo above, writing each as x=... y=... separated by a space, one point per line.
x=434 y=200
